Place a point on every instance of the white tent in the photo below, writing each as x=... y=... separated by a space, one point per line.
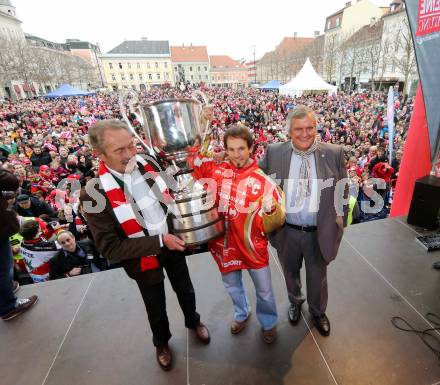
x=306 y=80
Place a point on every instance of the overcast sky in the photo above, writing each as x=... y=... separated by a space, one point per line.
x=228 y=27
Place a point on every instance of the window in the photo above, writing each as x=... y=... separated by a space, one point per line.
x=190 y=68
x=156 y=64
x=165 y=64
x=131 y=77
x=148 y=65
x=122 y=77
x=110 y=65
x=175 y=68
x=192 y=77
x=206 y=68
x=150 y=76
x=158 y=76
x=206 y=77
x=120 y=65
x=337 y=22
x=138 y=65
x=200 y=77
x=114 y=77
x=328 y=24
x=140 y=76
x=198 y=68
x=166 y=75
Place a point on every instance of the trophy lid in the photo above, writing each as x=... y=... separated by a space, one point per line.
x=172 y=100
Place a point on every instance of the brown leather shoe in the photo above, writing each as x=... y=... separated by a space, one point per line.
x=270 y=335
x=202 y=333
x=238 y=326
x=164 y=357
x=22 y=305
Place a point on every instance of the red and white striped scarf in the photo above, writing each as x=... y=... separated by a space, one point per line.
x=124 y=211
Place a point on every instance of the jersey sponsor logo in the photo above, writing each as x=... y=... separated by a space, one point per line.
x=234 y=262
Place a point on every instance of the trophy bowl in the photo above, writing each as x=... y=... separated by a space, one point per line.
x=171 y=131
x=173 y=128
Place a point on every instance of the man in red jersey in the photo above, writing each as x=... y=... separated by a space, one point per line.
x=252 y=206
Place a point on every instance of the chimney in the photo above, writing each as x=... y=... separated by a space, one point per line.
x=348 y=4
x=316 y=33
x=372 y=21
x=295 y=34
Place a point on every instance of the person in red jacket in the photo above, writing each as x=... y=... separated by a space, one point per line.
x=252 y=206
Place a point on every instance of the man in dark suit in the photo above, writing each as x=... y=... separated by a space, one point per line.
x=316 y=211
x=128 y=222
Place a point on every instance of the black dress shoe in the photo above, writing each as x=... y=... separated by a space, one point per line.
x=164 y=357
x=322 y=323
x=202 y=333
x=294 y=313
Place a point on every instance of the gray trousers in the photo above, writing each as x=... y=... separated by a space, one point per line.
x=294 y=246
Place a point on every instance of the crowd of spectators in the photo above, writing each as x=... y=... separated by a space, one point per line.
x=45 y=144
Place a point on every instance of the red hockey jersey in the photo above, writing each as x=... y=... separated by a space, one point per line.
x=240 y=195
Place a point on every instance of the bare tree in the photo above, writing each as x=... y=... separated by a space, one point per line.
x=383 y=60
x=42 y=62
x=404 y=58
x=7 y=62
x=330 y=56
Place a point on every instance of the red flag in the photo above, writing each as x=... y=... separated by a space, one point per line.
x=416 y=161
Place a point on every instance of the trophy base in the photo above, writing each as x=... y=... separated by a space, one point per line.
x=203 y=234
x=194 y=217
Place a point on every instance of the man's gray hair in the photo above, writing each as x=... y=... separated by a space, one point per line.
x=96 y=131
x=299 y=112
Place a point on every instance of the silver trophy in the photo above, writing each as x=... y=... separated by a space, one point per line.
x=170 y=130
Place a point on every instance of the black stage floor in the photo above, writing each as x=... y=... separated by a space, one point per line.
x=93 y=330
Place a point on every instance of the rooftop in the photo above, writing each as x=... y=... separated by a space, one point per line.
x=142 y=47
x=190 y=53
x=224 y=61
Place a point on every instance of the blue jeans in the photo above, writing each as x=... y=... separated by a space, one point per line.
x=7 y=297
x=266 y=306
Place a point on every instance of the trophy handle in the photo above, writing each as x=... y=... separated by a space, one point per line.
x=132 y=98
x=200 y=94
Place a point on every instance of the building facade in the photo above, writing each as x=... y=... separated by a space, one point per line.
x=190 y=64
x=399 y=65
x=138 y=64
x=31 y=66
x=90 y=53
x=285 y=61
x=252 y=71
x=10 y=26
x=380 y=54
x=227 y=72
x=339 y=27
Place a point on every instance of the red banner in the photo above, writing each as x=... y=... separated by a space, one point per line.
x=416 y=161
x=428 y=17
